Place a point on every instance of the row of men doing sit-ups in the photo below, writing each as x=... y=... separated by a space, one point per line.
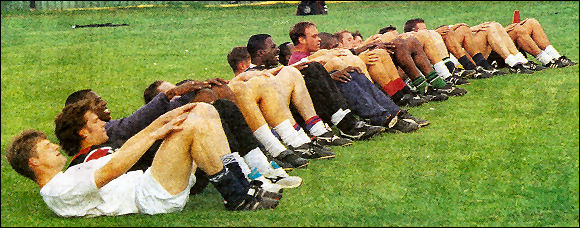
x=244 y=134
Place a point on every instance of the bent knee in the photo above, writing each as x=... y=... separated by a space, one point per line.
x=206 y=110
x=414 y=43
x=462 y=26
x=335 y=63
x=223 y=91
x=519 y=30
x=290 y=70
x=205 y=95
x=495 y=25
x=201 y=115
x=236 y=86
x=530 y=21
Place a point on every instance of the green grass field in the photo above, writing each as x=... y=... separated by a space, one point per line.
x=505 y=154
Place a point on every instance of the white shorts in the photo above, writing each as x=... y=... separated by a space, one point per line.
x=151 y=198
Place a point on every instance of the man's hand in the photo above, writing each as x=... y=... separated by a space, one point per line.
x=480 y=27
x=455 y=26
x=511 y=27
x=301 y=64
x=170 y=121
x=217 y=81
x=372 y=40
x=388 y=46
x=187 y=87
x=373 y=58
x=344 y=74
x=443 y=30
x=366 y=46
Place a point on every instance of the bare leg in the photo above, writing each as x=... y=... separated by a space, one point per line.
x=292 y=88
x=224 y=92
x=454 y=42
x=522 y=39
x=259 y=103
x=419 y=56
x=433 y=45
x=382 y=72
x=406 y=50
x=205 y=95
x=468 y=42
x=505 y=38
x=492 y=40
x=535 y=30
x=202 y=142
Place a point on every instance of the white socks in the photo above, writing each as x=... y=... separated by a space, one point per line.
x=270 y=142
x=511 y=60
x=552 y=52
x=256 y=159
x=289 y=135
x=338 y=115
x=303 y=135
x=453 y=59
x=442 y=70
x=521 y=58
x=318 y=129
x=245 y=169
x=544 y=57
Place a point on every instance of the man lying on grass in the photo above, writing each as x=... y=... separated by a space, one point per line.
x=192 y=138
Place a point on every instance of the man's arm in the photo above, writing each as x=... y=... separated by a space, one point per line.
x=122 y=160
x=126 y=127
x=187 y=91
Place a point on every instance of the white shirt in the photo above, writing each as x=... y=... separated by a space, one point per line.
x=74 y=192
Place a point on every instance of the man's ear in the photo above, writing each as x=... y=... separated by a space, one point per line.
x=243 y=65
x=301 y=39
x=83 y=133
x=33 y=161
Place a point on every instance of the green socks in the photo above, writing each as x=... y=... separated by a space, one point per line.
x=420 y=84
x=435 y=80
x=432 y=79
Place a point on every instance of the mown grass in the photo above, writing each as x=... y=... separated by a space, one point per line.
x=505 y=154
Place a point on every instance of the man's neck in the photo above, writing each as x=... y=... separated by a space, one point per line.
x=253 y=65
x=257 y=61
x=301 y=48
x=85 y=144
x=45 y=176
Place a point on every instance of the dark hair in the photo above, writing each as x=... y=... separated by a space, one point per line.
x=236 y=56
x=68 y=124
x=410 y=24
x=255 y=43
x=338 y=35
x=327 y=40
x=387 y=29
x=298 y=30
x=21 y=149
x=357 y=33
x=184 y=81
x=284 y=51
x=77 y=96
x=151 y=91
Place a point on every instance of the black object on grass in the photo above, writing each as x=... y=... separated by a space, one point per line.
x=99 y=25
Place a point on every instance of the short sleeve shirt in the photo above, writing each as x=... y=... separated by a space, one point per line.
x=297 y=56
x=73 y=193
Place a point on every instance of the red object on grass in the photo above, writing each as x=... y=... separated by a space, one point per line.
x=516 y=16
